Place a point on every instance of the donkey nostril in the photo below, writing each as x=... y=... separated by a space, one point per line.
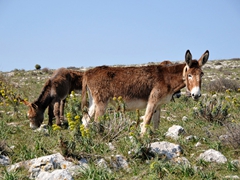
x=193 y=95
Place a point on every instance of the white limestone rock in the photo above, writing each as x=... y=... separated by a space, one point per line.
x=212 y=155
x=4 y=160
x=175 y=131
x=170 y=150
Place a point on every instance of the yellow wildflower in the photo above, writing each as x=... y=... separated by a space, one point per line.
x=228 y=91
x=82 y=127
x=152 y=165
x=227 y=98
x=71 y=128
x=56 y=127
x=82 y=130
x=77 y=117
x=87 y=132
x=131 y=134
x=69 y=115
x=132 y=128
x=120 y=98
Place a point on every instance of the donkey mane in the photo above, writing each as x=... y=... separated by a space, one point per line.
x=76 y=79
x=44 y=99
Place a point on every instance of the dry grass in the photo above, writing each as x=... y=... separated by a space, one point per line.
x=222 y=84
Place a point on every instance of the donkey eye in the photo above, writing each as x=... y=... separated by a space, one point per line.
x=189 y=76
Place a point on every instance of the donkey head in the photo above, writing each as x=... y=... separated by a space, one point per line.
x=192 y=73
x=35 y=115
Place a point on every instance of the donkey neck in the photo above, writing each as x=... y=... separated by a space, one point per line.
x=175 y=77
x=44 y=99
x=76 y=80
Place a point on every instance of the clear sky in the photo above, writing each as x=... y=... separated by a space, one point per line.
x=57 y=33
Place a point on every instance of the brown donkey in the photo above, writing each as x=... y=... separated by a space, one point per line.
x=53 y=95
x=140 y=87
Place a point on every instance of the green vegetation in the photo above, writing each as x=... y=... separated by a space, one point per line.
x=215 y=114
x=37 y=67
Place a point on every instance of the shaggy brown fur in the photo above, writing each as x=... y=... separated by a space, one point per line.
x=156 y=115
x=166 y=63
x=140 y=87
x=53 y=94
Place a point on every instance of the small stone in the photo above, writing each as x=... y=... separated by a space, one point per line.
x=184 y=118
x=198 y=144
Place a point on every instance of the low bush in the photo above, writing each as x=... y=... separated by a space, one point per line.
x=212 y=109
x=222 y=84
x=37 y=67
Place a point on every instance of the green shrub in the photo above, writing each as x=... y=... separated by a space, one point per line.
x=212 y=109
x=37 y=67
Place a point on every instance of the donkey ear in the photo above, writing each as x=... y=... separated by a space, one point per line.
x=26 y=102
x=188 y=58
x=204 y=58
x=31 y=105
x=34 y=106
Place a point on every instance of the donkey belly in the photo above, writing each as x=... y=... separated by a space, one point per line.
x=60 y=93
x=134 y=104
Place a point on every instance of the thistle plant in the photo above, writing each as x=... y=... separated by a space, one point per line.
x=212 y=109
x=119 y=104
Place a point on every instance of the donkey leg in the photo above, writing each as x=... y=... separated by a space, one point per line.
x=156 y=118
x=147 y=117
x=56 y=112
x=153 y=103
x=100 y=110
x=62 y=104
x=87 y=116
x=50 y=114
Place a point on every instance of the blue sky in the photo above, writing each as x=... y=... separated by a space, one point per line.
x=85 y=33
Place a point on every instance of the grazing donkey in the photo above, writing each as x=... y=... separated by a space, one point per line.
x=140 y=87
x=53 y=95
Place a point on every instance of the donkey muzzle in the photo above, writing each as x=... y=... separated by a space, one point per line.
x=195 y=93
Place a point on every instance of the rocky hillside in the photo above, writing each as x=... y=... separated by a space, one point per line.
x=195 y=140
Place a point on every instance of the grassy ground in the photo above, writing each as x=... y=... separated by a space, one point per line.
x=217 y=113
